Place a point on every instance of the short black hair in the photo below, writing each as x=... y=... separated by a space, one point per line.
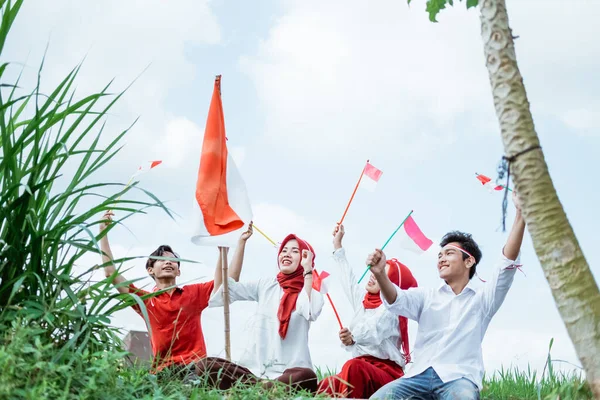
x=162 y=249
x=467 y=243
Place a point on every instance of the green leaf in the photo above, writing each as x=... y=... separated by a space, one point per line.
x=434 y=7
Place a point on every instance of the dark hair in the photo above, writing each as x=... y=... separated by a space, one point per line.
x=467 y=243
x=160 y=252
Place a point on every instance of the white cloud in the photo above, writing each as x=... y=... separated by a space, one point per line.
x=118 y=40
x=339 y=76
x=582 y=119
x=343 y=77
x=182 y=139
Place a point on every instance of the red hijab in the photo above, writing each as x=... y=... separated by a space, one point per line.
x=401 y=276
x=291 y=284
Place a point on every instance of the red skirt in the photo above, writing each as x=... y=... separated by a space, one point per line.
x=361 y=377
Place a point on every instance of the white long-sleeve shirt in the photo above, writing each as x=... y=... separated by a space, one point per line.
x=374 y=330
x=452 y=327
x=270 y=355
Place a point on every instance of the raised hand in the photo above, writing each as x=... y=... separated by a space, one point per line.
x=307 y=260
x=338 y=235
x=107 y=217
x=246 y=235
x=377 y=261
x=516 y=201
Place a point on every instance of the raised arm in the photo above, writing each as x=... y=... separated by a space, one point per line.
x=307 y=263
x=219 y=271
x=515 y=238
x=235 y=266
x=404 y=302
x=497 y=286
x=353 y=291
x=377 y=262
x=107 y=256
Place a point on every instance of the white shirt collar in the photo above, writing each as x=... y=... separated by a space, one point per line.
x=470 y=286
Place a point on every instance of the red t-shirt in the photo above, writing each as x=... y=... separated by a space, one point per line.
x=175 y=326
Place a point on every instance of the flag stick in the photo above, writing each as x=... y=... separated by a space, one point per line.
x=126 y=186
x=223 y=251
x=330 y=302
x=262 y=233
x=352 y=197
x=386 y=243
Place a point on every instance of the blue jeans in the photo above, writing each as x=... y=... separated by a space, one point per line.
x=428 y=386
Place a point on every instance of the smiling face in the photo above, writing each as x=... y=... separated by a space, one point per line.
x=164 y=269
x=289 y=258
x=451 y=263
x=373 y=285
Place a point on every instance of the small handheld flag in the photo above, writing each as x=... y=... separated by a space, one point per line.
x=368 y=179
x=147 y=166
x=488 y=184
x=141 y=169
x=412 y=238
x=371 y=176
x=413 y=232
x=319 y=286
x=319 y=282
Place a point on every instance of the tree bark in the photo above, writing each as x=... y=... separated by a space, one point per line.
x=573 y=286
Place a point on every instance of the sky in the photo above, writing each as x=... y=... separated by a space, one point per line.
x=311 y=90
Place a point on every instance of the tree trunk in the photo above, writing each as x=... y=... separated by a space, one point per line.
x=573 y=286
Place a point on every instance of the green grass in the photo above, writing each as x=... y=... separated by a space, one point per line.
x=508 y=384
x=30 y=372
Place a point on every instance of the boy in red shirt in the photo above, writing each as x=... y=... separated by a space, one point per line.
x=174 y=315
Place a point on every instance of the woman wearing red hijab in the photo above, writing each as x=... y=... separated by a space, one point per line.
x=375 y=336
x=286 y=307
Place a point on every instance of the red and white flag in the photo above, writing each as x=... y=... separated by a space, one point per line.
x=412 y=238
x=370 y=177
x=222 y=208
x=147 y=166
x=487 y=182
x=319 y=281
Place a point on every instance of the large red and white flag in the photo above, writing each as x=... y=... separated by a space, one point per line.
x=489 y=185
x=222 y=206
x=412 y=238
x=147 y=166
x=370 y=177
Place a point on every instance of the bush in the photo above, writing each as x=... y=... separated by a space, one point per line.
x=50 y=206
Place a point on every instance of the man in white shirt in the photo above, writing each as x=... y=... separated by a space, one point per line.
x=453 y=318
